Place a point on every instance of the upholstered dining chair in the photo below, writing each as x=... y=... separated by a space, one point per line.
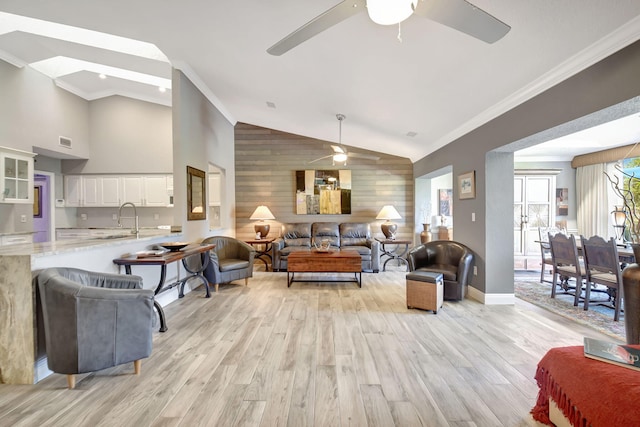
x=566 y=264
x=602 y=267
x=94 y=321
x=545 y=248
x=230 y=260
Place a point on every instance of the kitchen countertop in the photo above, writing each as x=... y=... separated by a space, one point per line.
x=78 y=245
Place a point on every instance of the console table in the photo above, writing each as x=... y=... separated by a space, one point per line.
x=167 y=258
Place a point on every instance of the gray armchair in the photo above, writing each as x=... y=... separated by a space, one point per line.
x=94 y=321
x=230 y=260
x=454 y=260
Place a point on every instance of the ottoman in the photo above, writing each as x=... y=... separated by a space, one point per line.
x=425 y=290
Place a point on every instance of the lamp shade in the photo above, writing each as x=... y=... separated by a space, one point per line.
x=390 y=12
x=261 y=213
x=388 y=212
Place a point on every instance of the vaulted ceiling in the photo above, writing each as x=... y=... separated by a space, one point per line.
x=436 y=84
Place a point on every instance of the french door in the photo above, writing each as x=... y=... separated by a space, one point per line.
x=533 y=207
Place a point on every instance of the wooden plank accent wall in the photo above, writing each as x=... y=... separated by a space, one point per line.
x=266 y=161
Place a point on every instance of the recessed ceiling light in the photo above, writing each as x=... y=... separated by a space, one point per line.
x=271 y=104
x=102 y=76
x=412 y=134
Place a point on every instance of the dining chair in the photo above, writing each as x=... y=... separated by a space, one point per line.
x=545 y=248
x=566 y=264
x=602 y=267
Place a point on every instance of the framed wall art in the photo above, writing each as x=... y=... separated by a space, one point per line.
x=467 y=185
x=196 y=190
x=323 y=192
x=445 y=202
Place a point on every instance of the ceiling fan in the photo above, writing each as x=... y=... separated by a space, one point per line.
x=457 y=14
x=340 y=153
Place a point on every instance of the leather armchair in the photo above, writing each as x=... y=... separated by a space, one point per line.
x=357 y=236
x=94 y=321
x=230 y=260
x=453 y=259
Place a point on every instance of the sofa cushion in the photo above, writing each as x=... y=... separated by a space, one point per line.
x=355 y=234
x=325 y=230
x=297 y=234
x=364 y=251
x=448 y=271
x=229 y=264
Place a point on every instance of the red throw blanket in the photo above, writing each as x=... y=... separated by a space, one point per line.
x=588 y=392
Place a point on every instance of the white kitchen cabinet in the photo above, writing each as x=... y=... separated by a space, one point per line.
x=73 y=192
x=155 y=191
x=110 y=191
x=16 y=176
x=83 y=190
x=132 y=189
x=113 y=191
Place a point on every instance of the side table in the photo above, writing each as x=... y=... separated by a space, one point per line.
x=397 y=252
x=263 y=250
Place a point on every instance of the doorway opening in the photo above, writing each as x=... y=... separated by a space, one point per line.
x=43 y=207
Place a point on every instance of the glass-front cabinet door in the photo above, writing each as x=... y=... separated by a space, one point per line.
x=16 y=176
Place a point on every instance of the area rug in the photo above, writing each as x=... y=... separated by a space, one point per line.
x=597 y=317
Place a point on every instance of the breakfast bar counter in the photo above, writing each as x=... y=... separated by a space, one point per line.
x=22 y=357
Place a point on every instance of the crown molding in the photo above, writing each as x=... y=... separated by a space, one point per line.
x=606 y=46
x=204 y=89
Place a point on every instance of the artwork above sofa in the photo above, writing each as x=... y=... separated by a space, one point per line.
x=304 y=236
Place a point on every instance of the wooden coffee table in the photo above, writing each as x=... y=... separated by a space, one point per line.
x=324 y=262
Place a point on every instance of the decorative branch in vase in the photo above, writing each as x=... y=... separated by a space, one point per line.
x=628 y=189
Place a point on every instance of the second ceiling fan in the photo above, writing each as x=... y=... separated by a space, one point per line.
x=457 y=14
x=340 y=153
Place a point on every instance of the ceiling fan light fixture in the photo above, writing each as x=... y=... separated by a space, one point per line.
x=390 y=12
x=340 y=157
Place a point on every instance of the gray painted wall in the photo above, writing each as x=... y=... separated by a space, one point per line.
x=126 y=136
x=34 y=112
x=201 y=135
x=609 y=82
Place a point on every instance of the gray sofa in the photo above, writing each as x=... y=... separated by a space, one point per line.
x=94 y=321
x=303 y=236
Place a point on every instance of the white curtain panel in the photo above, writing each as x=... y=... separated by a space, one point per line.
x=593 y=200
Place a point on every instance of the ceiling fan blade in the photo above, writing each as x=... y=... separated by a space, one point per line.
x=328 y=19
x=363 y=156
x=320 y=158
x=465 y=17
x=338 y=149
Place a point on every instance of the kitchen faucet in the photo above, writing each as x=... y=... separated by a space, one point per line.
x=135 y=230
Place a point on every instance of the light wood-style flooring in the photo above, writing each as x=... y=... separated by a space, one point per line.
x=315 y=354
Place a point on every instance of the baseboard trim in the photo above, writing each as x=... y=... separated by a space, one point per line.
x=491 y=299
